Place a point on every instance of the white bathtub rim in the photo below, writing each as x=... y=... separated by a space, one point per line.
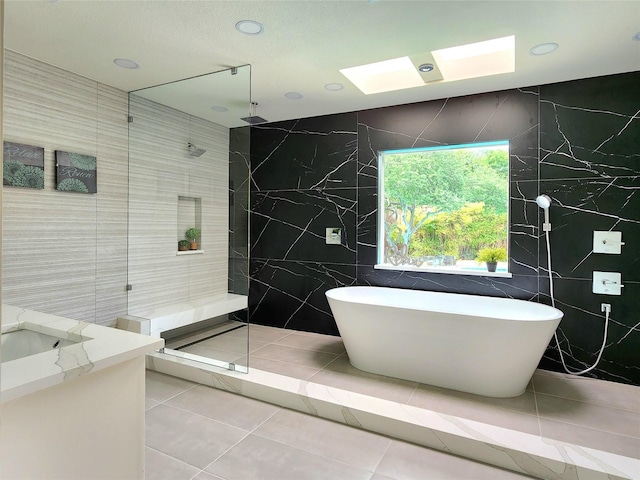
x=544 y=312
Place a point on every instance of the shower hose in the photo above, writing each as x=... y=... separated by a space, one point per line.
x=606 y=308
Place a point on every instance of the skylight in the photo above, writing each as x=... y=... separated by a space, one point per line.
x=385 y=76
x=480 y=59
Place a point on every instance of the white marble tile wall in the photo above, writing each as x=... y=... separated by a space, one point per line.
x=65 y=253
x=161 y=170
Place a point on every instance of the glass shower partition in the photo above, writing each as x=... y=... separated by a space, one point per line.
x=188 y=215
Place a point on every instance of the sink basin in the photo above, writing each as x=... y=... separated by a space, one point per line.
x=23 y=343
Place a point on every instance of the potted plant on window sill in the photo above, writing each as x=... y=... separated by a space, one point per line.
x=183 y=245
x=491 y=256
x=192 y=234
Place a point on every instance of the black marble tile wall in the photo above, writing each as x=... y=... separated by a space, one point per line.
x=304 y=181
x=578 y=142
x=239 y=160
x=510 y=115
x=590 y=167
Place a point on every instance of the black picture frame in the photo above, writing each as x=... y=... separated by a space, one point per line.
x=23 y=165
x=76 y=172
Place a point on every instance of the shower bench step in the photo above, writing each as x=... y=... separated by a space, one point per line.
x=158 y=320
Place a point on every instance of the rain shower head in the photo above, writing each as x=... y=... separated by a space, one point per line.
x=195 y=151
x=253 y=119
x=543 y=201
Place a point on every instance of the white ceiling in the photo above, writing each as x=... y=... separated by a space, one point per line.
x=305 y=43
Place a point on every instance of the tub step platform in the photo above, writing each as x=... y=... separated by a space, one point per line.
x=517 y=451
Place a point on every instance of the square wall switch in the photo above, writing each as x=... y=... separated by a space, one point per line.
x=333 y=236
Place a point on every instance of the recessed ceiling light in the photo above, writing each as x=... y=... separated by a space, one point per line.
x=126 y=63
x=293 y=95
x=249 y=27
x=480 y=59
x=544 y=48
x=333 y=87
x=219 y=108
x=426 y=67
x=636 y=37
x=385 y=76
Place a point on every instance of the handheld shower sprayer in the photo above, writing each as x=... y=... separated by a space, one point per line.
x=544 y=202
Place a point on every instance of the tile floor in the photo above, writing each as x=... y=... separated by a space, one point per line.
x=596 y=414
x=201 y=433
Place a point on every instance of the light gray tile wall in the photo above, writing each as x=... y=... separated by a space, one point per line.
x=160 y=171
x=65 y=253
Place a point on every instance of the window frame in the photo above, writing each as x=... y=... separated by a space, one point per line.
x=380 y=235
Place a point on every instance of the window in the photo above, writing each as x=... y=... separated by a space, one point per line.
x=440 y=207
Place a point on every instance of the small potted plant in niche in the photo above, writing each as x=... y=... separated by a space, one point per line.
x=183 y=245
x=491 y=256
x=192 y=234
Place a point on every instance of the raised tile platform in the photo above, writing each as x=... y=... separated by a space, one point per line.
x=517 y=451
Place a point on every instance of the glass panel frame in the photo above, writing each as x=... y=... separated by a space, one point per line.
x=172 y=126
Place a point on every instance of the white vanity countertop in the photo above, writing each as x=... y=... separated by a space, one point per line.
x=103 y=348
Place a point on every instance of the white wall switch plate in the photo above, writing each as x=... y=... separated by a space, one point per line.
x=607 y=242
x=333 y=236
x=607 y=283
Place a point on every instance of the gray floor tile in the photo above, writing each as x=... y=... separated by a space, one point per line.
x=293 y=370
x=158 y=466
x=161 y=387
x=191 y=438
x=150 y=403
x=207 y=476
x=405 y=461
x=256 y=345
x=339 y=442
x=316 y=342
x=228 y=343
x=589 y=390
x=588 y=437
x=612 y=420
x=259 y=458
x=379 y=476
x=301 y=356
x=264 y=334
x=236 y=410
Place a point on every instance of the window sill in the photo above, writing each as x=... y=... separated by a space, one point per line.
x=454 y=271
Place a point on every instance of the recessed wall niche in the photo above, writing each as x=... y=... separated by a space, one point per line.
x=189 y=215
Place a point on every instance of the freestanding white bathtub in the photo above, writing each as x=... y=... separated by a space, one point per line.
x=482 y=345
